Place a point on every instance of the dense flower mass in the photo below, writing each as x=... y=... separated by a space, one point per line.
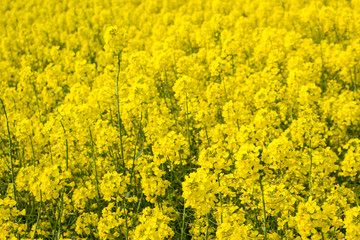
x=180 y=119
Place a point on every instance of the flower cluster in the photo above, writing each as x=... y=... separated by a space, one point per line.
x=179 y=119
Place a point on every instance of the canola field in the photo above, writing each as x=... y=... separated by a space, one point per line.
x=179 y=119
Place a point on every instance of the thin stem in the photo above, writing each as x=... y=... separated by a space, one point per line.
x=58 y=222
x=168 y=95
x=37 y=101
x=183 y=223
x=67 y=147
x=111 y=119
x=355 y=190
x=94 y=159
x=10 y=150
x=38 y=217
x=187 y=124
x=355 y=79
x=136 y=156
x=51 y=158
x=223 y=82
x=139 y=204
x=126 y=217
x=133 y=161
x=118 y=106
x=33 y=152
x=207 y=136
x=207 y=226
x=221 y=201
x=263 y=203
x=310 y=170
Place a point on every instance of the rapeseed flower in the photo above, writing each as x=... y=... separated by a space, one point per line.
x=150 y=119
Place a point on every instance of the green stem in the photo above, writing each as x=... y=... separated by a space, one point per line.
x=264 y=210
x=33 y=152
x=51 y=158
x=221 y=201
x=58 y=222
x=94 y=159
x=207 y=226
x=355 y=190
x=139 y=204
x=166 y=86
x=118 y=106
x=38 y=217
x=126 y=221
x=223 y=82
x=353 y=79
x=111 y=119
x=67 y=147
x=187 y=125
x=137 y=155
x=37 y=101
x=310 y=170
x=183 y=224
x=10 y=150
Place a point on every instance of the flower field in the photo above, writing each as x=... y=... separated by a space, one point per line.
x=180 y=119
